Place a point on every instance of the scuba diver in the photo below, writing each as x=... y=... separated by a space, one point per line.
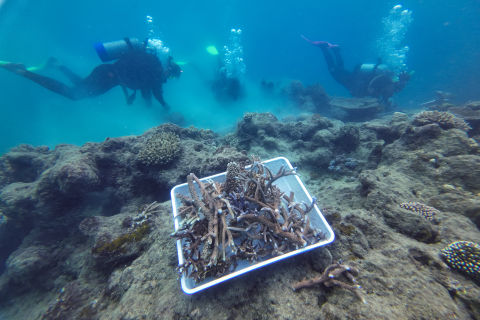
x=135 y=68
x=366 y=80
x=228 y=82
x=227 y=88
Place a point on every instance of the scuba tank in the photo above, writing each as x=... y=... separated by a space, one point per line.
x=371 y=67
x=108 y=51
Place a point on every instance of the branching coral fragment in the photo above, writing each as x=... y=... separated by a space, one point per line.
x=329 y=278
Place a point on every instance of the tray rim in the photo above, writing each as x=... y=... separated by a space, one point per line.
x=257 y=265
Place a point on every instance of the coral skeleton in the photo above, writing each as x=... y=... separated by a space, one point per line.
x=245 y=218
x=330 y=278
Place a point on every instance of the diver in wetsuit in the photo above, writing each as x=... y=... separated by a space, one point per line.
x=227 y=88
x=366 y=80
x=135 y=69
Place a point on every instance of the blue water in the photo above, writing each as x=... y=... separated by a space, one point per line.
x=443 y=40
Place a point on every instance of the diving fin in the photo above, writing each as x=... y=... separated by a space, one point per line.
x=13 y=67
x=212 y=50
x=51 y=63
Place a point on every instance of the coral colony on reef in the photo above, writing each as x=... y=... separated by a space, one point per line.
x=463 y=256
x=160 y=149
x=445 y=120
x=245 y=218
x=425 y=211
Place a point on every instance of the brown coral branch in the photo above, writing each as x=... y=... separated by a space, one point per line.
x=274 y=227
x=329 y=278
x=193 y=193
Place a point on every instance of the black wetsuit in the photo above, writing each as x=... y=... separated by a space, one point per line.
x=227 y=88
x=336 y=67
x=360 y=83
x=136 y=70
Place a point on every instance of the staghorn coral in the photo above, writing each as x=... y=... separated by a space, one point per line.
x=445 y=120
x=425 y=211
x=329 y=278
x=160 y=149
x=463 y=256
x=143 y=217
x=232 y=183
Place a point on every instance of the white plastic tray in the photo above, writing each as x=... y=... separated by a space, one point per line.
x=286 y=184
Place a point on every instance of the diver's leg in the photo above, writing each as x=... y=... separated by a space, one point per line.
x=319 y=43
x=147 y=95
x=17 y=68
x=99 y=81
x=158 y=94
x=129 y=97
x=46 y=82
x=53 y=63
x=324 y=46
x=338 y=57
x=329 y=60
x=73 y=77
x=342 y=76
x=52 y=85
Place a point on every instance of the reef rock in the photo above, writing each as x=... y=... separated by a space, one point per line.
x=470 y=112
x=391 y=129
x=88 y=228
x=312 y=98
x=455 y=199
x=25 y=264
x=355 y=109
x=412 y=225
